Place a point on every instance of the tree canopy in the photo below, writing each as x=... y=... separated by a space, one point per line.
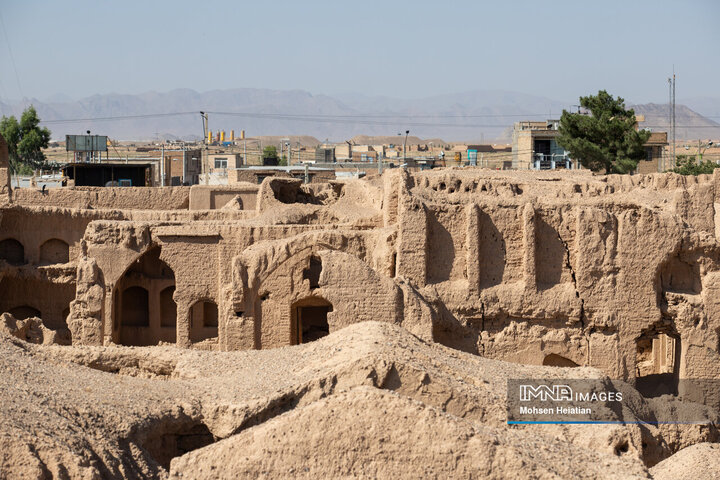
x=689 y=165
x=607 y=138
x=25 y=140
x=270 y=152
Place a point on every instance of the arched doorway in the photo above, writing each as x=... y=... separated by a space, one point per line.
x=309 y=320
x=135 y=316
x=203 y=321
x=657 y=361
x=144 y=308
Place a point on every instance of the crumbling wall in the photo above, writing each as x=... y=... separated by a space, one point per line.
x=545 y=268
x=34 y=227
x=47 y=293
x=87 y=309
x=120 y=198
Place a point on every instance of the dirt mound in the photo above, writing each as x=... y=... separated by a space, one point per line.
x=372 y=433
x=699 y=462
x=365 y=400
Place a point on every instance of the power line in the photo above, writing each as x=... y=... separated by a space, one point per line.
x=118 y=117
x=342 y=119
x=12 y=58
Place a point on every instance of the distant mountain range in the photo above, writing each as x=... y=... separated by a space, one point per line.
x=689 y=125
x=477 y=116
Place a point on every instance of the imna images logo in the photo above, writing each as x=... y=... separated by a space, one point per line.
x=543 y=393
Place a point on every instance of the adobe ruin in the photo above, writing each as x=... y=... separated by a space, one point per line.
x=564 y=269
x=539 y=269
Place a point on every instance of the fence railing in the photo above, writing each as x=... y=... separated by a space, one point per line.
x=553 y=161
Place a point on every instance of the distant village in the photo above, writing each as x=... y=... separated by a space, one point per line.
x=226 y=158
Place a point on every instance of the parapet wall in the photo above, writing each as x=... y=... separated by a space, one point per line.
x=212 y=197
x=123 y=198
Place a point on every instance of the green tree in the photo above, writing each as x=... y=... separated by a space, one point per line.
x=25 y=140
x=606 y=139
x=270 y=152
x=270 y=155
x=688 y=165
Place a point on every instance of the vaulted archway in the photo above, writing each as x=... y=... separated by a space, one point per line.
x=144 y=308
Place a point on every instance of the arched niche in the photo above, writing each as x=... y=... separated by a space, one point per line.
x=54 y=251
x=144 y=309
x=12 y=251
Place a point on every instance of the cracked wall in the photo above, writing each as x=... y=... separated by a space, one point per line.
x=535 y=268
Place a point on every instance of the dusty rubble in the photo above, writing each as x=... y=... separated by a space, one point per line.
x=698 y=461
x=368 y=400
x=155 y=331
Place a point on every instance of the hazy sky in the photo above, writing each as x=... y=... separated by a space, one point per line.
x=558 y=49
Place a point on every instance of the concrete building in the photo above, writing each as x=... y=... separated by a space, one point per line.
x=181 y=167
x=655 y=159
x=364 y=155
x=109 y=174
x=325 y=155
x=217 y=166
x=534 y=147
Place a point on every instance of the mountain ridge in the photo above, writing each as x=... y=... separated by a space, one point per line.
x=476 y=116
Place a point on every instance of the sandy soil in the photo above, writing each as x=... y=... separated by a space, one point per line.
x=370 y=400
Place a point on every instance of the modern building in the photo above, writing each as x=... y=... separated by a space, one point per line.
x=655 y=159
x=181 y=167
x=364 y=156
x=534 y=146
x=109 y=174
x=217 y=166
x=325 y=155
x=489 y=156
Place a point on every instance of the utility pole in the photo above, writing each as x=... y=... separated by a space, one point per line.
x=671 y=82
x=184 y=160
x=162 y=165
x=407 y=132
x=204 y=160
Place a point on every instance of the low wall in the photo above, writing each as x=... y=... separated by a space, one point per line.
x=131 y=198
x=213 y=197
